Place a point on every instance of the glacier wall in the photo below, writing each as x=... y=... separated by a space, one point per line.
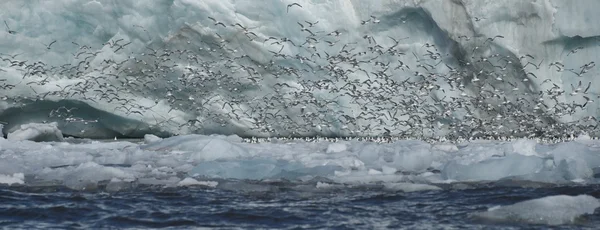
x=87 y=47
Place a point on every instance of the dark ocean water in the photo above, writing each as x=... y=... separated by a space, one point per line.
x=274 y=205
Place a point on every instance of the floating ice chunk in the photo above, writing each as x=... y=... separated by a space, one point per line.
x=445 y=147
x=414 y=156
x=192 y=182
x=253 y=169
x=259 y=169
x=575 y=160
x=10 y=166
x=344 y=161
x=336 y=147
x=551 y=210
x=476 y=151
x=234 y=138
x=374 y=172
x=525 y=147
x=149 y=138
x=188 y=182
x=175 y=143
x=169 y=161
x=388 y=170
x=409 y=187
x=324 y=185
x=17 y=178
x=370 y=154
x=494 y=169
x=116 y=184
x=292 y=173
x=203 y=148
x=37 y=132
x=87 y=175
x=574 y=168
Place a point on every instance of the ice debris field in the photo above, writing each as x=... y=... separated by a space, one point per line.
x=204 y=160
x=233 y=163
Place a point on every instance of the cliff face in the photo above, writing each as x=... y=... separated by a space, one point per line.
x=57 y=32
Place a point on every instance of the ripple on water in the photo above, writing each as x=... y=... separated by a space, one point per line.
x=353 y=207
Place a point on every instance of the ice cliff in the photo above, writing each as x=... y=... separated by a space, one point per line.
x=55 y=32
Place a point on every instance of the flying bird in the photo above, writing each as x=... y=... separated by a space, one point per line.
x=48 y=46
x=217 y=22
x=575 y=50
x=293 y=4
x=311 y=24
x=492 y=39
x=8 y=28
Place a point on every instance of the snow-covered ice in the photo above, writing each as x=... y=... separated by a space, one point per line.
x=551 y=210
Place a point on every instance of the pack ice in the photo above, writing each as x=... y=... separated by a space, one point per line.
x=402 y=165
